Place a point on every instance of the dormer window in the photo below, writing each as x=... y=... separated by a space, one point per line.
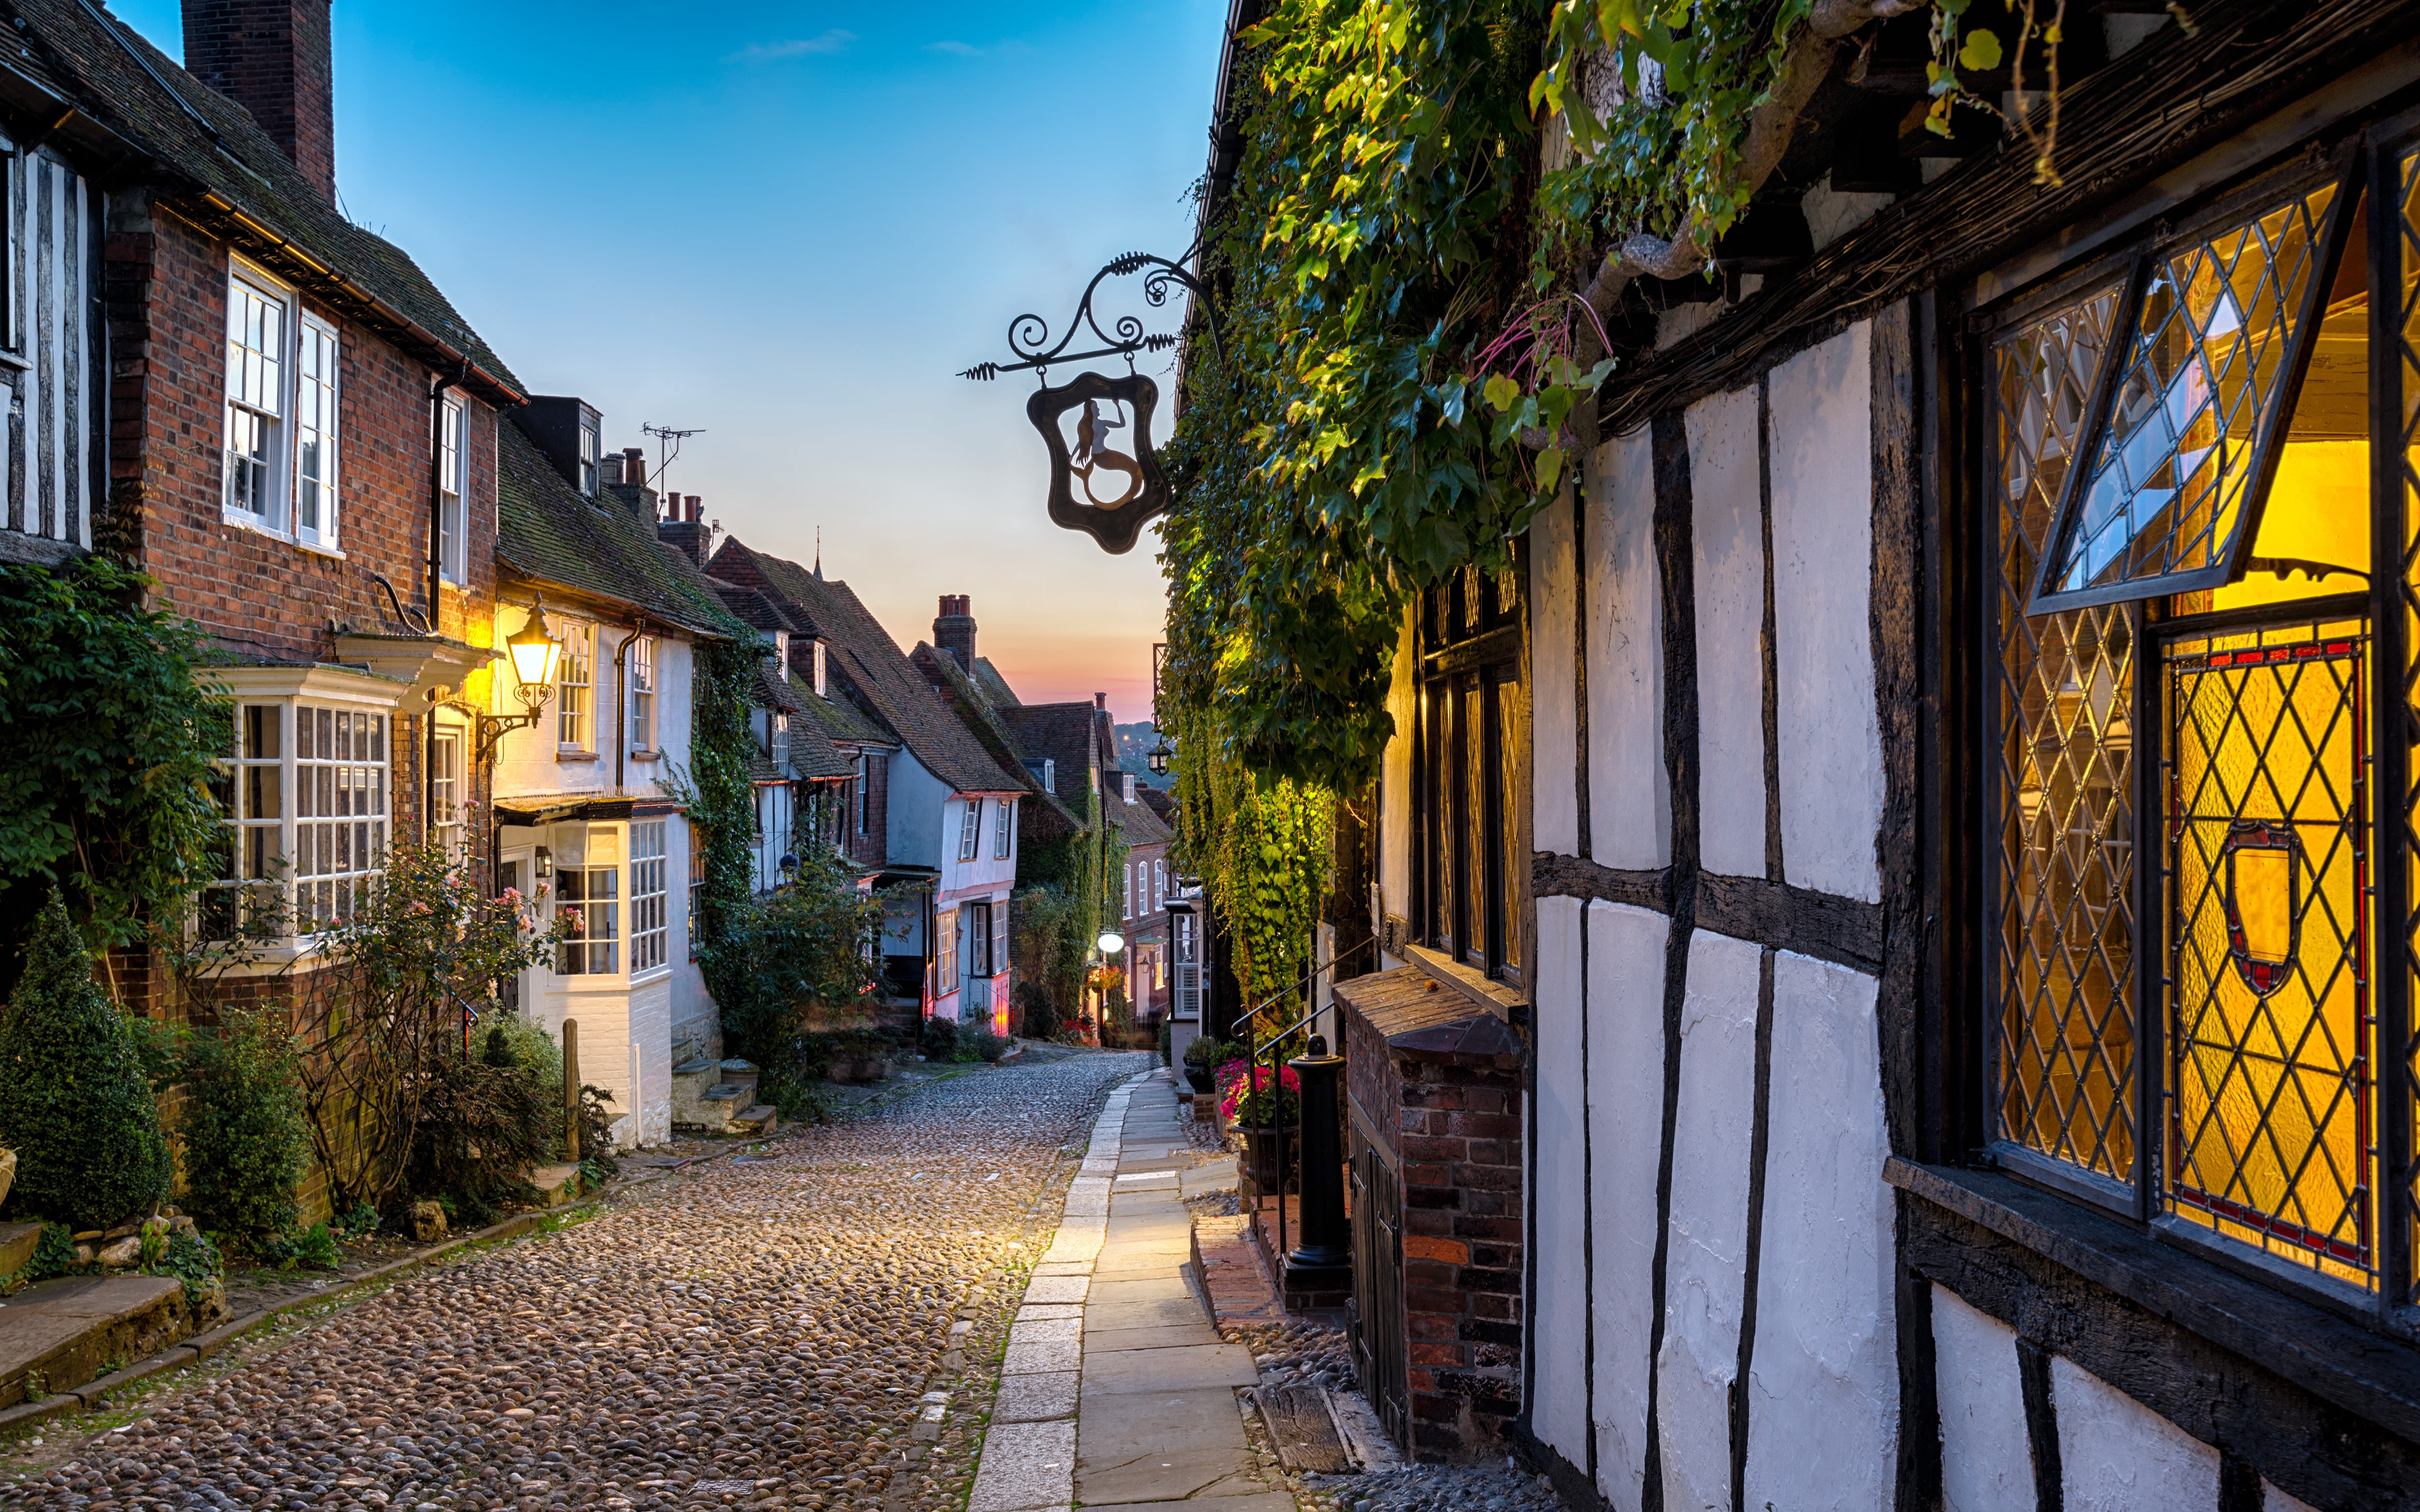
x=823 y=687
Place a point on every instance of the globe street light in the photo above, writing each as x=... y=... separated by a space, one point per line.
x=1111 y=942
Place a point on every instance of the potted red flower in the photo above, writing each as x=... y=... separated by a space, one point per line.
x=1260 y=1104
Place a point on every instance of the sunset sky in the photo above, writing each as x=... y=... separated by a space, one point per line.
x=792 y=226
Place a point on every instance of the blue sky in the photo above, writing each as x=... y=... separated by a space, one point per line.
x=791 y=225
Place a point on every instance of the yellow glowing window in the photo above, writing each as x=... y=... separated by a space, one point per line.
x=2181 y=460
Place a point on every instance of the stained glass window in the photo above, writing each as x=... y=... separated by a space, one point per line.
x=2066 y=689
x=2170 y=486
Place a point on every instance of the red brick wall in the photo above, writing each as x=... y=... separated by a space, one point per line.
x=870 y=848
x=1461 y=1132
x=262 y=597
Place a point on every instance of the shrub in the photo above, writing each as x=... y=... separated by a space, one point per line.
x=940 y=1038
x=984 y=1045
x=1041 y=1017
x=53 y=1252
x=1167 y=1042
x=191 y=1259
x=796 y=1095
x=597 y=1117
x=1205 y=1053
x=74 y=1103
x=315 y=1248
x=776 y=959
x=247 y=1142
x=482 y=1127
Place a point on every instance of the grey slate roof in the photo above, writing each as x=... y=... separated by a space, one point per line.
x=548 y=531
x=207 y=148
x=965 y=698
x=858 y=650
x=995 y=687
x=1136 y=822
x=1063 y=732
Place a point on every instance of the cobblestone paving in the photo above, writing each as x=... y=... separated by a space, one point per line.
x=756 y=1332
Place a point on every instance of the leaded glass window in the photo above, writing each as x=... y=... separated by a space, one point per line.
x=1469 y=865
x=2187 y=752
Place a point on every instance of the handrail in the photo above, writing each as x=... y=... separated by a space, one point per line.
x=1252 y=1063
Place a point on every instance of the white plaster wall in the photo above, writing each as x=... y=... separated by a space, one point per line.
x=1553 y=737
x=1829 y=733
x=1630 y=808
x=1823 y=1388
x=646 y=1075
x=912 y=826
x=2116 y=1455
x=1706 y=1261
x=1987 y=1463
x=1625 y=1062
x=1728 y=549
x=604 y=1015
x=1395 y=794
x=1558 y=1187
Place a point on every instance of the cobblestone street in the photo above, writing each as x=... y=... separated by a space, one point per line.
x=757 y=1330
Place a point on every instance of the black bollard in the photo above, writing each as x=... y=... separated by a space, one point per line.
x=1321 y=1262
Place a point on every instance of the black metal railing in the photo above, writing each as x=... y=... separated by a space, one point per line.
x=1267 y=1050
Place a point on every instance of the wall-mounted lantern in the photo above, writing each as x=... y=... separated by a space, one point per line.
x=1159 y=756
x=533 y=654
x=1105 y=477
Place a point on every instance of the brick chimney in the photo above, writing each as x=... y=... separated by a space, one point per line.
x=271 y=58
x=954 y=629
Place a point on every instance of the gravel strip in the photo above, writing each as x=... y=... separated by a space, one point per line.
x=753 y=1331
x=1307 y=1354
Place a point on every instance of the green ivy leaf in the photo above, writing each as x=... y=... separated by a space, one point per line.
x=1502 y=392
x=1981 y=52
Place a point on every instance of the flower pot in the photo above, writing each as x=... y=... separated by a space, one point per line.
x=1199 y=1079
x=1258 y=1163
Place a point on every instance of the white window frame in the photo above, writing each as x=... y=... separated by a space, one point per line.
x=591 y=450
x=589 y=882
x=977 y=930
x=781 y=736
x=1004 y=829
x=307 y=832
x=447 y=790
x=642 y=664
x=319 y=421
x=781 y=655
x=823 y=687
x=575 y=689
x=650 y=916
x=1159 y=883
x=451 y=491
x=946 y=951
x=268 y=396
x=970 y=830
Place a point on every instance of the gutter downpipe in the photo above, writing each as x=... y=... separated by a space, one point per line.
x=435 y=577
x=621 y=697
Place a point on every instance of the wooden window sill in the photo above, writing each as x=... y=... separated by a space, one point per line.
x=562 y=755
x=2372 y=1375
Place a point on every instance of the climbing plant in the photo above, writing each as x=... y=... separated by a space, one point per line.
x=107 y=752
x=719 y=797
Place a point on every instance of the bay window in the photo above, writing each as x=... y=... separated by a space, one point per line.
x=650 y=929
x=588 y=900
x=2197 y=804
x=302 y=801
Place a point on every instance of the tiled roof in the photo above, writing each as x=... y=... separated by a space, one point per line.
x=812 y=752
x=839 y=718
x=546 y=530
x=995 y=687
x=1137 y=822
x=755 y=608
x=219 y=169
x=1063 y=733
x=862 y=653
x=967 y=701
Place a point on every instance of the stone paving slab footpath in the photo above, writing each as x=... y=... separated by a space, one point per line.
x=807 y=1330
x=1148 y=1417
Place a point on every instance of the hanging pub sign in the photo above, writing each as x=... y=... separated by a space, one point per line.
x=1105 y=477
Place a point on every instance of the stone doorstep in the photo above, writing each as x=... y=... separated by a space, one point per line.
x=68 y=1327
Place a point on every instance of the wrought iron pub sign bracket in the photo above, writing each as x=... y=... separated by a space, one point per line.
x=1094 y=486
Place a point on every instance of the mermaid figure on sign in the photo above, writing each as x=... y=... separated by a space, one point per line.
x=1092 y=454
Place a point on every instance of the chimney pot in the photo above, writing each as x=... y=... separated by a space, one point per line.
x=272 y=57
x=953 y=628
x=1100 y=701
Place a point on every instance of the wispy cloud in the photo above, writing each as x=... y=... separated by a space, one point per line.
x=957 y=49
x=830 y=41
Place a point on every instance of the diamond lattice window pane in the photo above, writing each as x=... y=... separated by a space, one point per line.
x=2268 y=920
x=2170 y=493
x=2064 y=1060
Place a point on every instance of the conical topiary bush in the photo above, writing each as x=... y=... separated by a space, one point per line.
x=73 y=1101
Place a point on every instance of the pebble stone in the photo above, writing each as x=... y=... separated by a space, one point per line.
x=748 y=1334
x=1308 y=1354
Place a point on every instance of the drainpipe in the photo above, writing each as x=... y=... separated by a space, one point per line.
x=436 y=574
x=621 y=697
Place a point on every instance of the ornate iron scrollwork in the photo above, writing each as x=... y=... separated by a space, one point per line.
x=1094 y=486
